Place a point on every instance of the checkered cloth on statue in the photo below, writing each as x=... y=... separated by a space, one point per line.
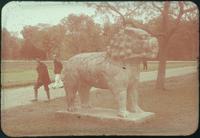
x=132 y=43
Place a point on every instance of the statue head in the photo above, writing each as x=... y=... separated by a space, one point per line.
x=132 y=43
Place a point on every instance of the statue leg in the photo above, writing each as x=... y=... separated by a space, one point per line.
x=84 y=93
x=70 y=91
x=70 y=81
x=133 y=97
x=118 y=85
x=122 y=104
x=37 y=85
x=120 y=96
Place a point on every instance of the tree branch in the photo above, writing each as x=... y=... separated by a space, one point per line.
x=178 y=19
x=133 y=24
x=190 y=10
x=158 y=8
x=117 y=11
x=114 y=9
x=132 y=11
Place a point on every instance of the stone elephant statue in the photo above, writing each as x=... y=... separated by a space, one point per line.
x=102 y=70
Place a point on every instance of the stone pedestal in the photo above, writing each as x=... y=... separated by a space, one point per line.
x=105 y=114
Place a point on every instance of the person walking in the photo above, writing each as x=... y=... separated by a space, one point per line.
x=145 y=64
x=57 y=71
x=42 y=79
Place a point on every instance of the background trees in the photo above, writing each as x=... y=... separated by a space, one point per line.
x=43 y=37
x=174 y=24
x=82 y=34
x=11 y=45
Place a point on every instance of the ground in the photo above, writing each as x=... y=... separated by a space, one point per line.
x=176 y=112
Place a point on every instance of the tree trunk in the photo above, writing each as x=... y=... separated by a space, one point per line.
x=160 y=84
x=163 y=42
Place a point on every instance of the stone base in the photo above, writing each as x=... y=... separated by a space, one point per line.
x=105 y=114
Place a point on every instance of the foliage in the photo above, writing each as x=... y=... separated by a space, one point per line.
x=82 y=33
x=11 y=45
x=79 y=33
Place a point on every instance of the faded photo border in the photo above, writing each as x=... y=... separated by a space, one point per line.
x=83 y=68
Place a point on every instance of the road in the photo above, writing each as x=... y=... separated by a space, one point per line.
x=13 y=97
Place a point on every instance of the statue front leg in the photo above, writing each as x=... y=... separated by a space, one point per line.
x=120 y=97
x=133 y=97
x=118 y=85
x=122 y=112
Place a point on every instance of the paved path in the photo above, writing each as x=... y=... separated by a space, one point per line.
x=21 y=96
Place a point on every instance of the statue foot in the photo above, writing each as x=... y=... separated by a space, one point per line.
x=137 y=109
x=123 y=114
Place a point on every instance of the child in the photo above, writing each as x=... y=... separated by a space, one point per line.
x=57 y=71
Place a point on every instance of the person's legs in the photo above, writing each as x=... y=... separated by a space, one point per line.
x=56 y=83
x=36 y=87
x=60 y=81
x=145 y=66
x=46 y=87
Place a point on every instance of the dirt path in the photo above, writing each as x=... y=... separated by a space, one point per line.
x=22 y=96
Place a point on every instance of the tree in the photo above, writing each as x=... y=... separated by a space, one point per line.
x=184 y=42
x=168 y=31
x=43 y=37
x=109 y=29
x=168 y=11
x=11 y=45
x=30 y=52
x=52 y=39
x=82 y=33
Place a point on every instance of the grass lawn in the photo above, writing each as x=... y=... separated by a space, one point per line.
x=24 y=73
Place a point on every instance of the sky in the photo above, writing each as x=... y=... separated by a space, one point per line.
x=15 y=15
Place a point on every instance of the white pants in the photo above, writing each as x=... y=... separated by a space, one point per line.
x=58 y=82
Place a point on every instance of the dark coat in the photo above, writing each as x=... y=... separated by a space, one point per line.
x=57 y=67
x=43 y=74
